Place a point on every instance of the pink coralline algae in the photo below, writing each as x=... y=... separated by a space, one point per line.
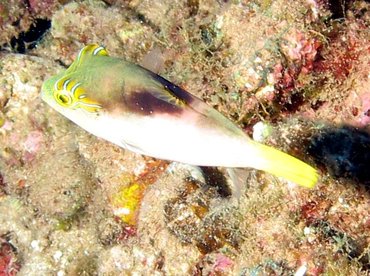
x=222 y=263
x=300 y=52
x=32 y=144
x=8 y=263
x=33 y=141
x=300 y=48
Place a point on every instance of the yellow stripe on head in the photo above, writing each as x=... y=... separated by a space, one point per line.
x=70 y=94
x=91 y=50
x=88 y=51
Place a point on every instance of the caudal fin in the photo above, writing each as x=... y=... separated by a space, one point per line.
x=283 y=165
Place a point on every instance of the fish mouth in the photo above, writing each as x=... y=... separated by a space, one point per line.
x=47 y=90
x=43 y=94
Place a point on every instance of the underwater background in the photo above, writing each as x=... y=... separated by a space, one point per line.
x=73 y=204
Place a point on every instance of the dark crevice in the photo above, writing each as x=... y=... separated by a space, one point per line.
x=28 y=40
x=338 y=8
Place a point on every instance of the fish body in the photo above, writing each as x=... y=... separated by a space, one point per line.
x=139 y=110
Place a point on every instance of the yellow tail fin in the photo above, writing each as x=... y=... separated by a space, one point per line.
x=283 y=165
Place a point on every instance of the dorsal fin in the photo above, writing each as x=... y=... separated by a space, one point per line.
x=89 y=50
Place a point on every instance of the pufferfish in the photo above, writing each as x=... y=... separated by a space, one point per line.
x=141 y=111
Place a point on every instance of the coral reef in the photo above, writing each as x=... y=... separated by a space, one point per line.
x=72 y=204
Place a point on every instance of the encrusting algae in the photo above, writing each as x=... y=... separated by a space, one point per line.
x=126 y=202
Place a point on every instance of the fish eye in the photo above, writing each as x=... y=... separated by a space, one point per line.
x=64 y=99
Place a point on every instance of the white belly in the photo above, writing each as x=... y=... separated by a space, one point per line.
x=172 y=139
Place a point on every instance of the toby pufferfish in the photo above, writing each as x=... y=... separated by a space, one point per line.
x=139 y=110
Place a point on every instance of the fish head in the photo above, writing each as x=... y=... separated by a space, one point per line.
x=66 y=92
x=70 y=92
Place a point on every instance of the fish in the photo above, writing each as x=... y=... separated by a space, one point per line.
x=143 y=112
